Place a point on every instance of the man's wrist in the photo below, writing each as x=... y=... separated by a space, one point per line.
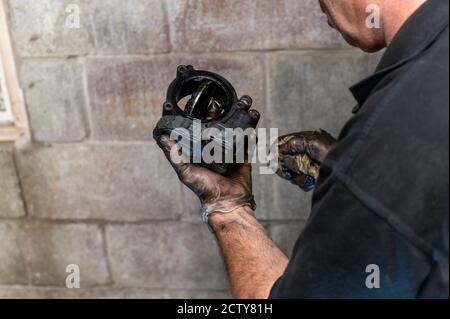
x=220 y=221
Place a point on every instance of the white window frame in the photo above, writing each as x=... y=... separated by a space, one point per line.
x=6 y=117
x=13 y=120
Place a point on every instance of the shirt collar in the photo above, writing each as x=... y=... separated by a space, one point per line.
x=419 y=31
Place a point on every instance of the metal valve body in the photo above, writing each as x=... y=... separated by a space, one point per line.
x=213 y=101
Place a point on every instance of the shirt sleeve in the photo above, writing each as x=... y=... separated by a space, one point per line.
x=346 y=251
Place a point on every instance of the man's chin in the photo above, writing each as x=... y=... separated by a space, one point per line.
x=351 y=41
x=331 y=24
x=366 y=47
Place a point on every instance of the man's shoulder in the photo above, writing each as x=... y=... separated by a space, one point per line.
x=418 y=87
x=427 y=71
x=412 y=94
x=396 y=155
x=432 y=64
x=395 y=152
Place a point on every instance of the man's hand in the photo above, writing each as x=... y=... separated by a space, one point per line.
x=300 y=156
x=216 y=193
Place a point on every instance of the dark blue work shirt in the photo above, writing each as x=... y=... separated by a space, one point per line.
x=381 y=206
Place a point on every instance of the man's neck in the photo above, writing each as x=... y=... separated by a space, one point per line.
x=400 y=11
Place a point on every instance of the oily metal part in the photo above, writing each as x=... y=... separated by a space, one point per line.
x=300 y=164
x=214 y=102
x=203 y=104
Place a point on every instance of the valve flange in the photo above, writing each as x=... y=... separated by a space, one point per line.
x=208 y=99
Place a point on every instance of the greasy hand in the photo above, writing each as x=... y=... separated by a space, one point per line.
x=225 y=193
x=300 y=156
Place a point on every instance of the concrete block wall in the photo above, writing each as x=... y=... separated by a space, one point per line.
x=93 y=189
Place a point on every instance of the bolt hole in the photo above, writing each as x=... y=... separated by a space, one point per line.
x=247 y=100
x=182 y=69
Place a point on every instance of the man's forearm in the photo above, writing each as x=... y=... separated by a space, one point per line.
x=253 y=260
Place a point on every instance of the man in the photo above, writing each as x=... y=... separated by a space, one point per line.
x=379 y=220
